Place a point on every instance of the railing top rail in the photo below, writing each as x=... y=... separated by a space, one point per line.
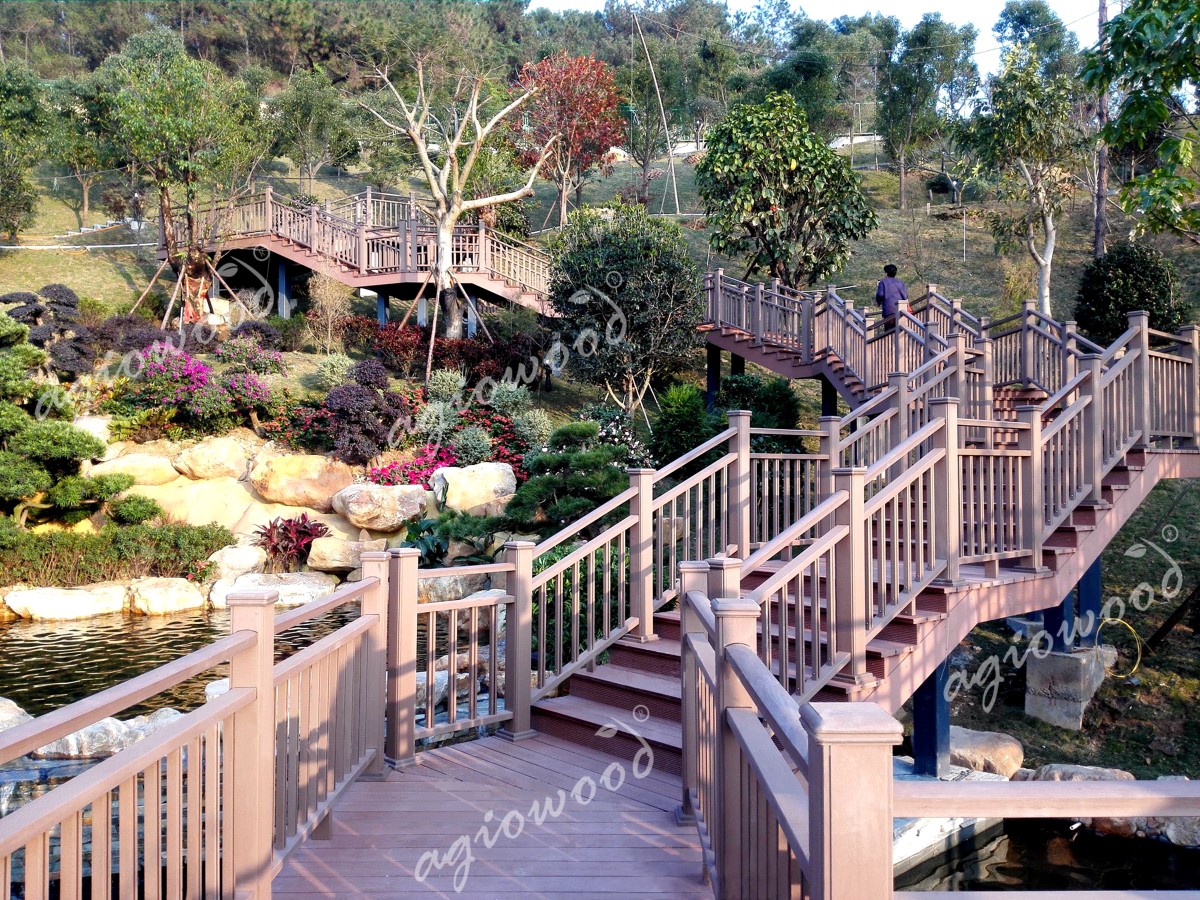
x=1046 y=799
x=1065 y=391
x=582 y=551
x=1085 y=346
x=694 y=454
x=472 y=569
x=326 y=646
x=911 y=474
x=896 y=455
x=925 y=368
x=43 y=813
x=45 y=729
x=801 y=561
x=1064 y=418
x=876 y=423
x=774 y=703
x=1111 y=351
x=1167 y=337
x=701 y=476
x=883 y=398
x=698 y=603
x=573 y=528
x=786 y=432
x=789 y=535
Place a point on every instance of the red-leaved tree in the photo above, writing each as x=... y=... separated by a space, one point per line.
x=577 y=100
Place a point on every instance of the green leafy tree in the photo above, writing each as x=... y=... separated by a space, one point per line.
x=23 y=124
x=773 y=190
x=810 y=75
x=1129 y=277
x=312 y=123
x=1033 y=23
x=78 y=141
x=683 y=423
x=628 y=296
x=1148 y=58
x=1024 y=134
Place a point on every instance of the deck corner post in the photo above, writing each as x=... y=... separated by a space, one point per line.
x=693 y=577
x=1028 y=360
x=518 y=695
x=313 y=216
x=1191 y=334
x=251 y=809
x=1141 y=376
x=958 y=384
x=1032 y=489
x=851 y=572
x=739 y=484
x=850 y=758
x=987 y=393
x=948 y=505
x=831 y=435
x=1093 y=423
x=717 y=286
x=268 y=212
x=756 y=321
x=401 y=740
x=724 y=577
x=1070 y=365
x=375 y=602
x=737 y=623
x=641 y=555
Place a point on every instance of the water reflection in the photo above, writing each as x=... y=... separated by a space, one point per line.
x=1048 y=855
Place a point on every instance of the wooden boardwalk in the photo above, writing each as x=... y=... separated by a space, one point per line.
x=623 y=843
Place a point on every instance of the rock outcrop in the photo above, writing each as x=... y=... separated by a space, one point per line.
x=378 y=507
x=145 y=468
x=295 y=588
x=163 y=596
x=58 y=604
x=482 y=489
x=303 y=480
x=985 y=751
x=218 y=457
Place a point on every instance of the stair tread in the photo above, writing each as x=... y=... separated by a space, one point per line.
x=669 y=734
x=663 y=647
x=634 y=679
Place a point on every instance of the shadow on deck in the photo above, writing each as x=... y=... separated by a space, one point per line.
x=381 y=830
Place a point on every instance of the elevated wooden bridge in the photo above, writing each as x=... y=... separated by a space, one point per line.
x=384 y=242
x=734 y=631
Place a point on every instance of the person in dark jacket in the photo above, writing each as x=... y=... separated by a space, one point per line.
x=890 y=294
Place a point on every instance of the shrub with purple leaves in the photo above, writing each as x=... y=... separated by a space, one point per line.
x=287 y=541
x=128 y=334
x=266 y=335
x=370 y=373
x=363 y=420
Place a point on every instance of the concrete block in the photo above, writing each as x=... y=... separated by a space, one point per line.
x=1059 y=686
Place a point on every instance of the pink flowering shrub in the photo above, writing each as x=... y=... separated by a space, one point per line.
x=428 y=460
x=203 y=401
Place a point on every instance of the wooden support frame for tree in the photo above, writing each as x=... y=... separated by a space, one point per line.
x=153 y=280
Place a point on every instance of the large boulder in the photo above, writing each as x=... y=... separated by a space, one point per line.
x=12 y=715
x=222 y=501
x=985 y=751
x=219 y=457
x=1072 y=772
x=235 y=560
x=145 y=468
x=163 y=596
x=448 y=587
x=258 y=514
x=301 y=480
x=482 y=489
x=106 y=737
x=295 y=588
x=380 y=507
x=54 y=604
x=97 y=426
x=333 y=554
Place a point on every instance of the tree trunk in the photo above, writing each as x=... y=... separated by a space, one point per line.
x=451 y=309
x=85 y=185
x=1101 y=198
x=562 y=206
x=1046 y=264
x=903 y=178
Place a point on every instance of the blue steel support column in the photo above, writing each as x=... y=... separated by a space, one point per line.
x=381 y=306
x=714 y=375
x=829 y=398
x=1090 y=604
x=737 y=364
x=931 y=724
x=1059 y=623
x=283 y=299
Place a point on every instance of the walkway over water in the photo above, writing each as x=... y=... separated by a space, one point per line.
x=622 y=843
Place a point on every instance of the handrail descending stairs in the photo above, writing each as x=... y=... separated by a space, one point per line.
x=373 y=239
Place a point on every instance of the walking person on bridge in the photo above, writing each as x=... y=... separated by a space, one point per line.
x=890 y=293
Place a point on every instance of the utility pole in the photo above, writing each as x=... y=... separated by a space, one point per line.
x=1101 y=212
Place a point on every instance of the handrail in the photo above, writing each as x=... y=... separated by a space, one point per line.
x=694 y=454
x=579 y=524
x=582 y=551
x=1066 y=390
x=774 y=704
x=351 y=590
x=802 y=561
x=789 y=535
x=679 y=489
x=900 y=452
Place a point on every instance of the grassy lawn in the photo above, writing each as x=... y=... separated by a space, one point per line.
x=1140 y=721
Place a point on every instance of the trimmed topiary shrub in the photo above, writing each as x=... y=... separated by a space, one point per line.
x=684 y=422
x=472 y=445
x=446 y=385
x=266 y=335
x=509 y=398
x=371 y=373
x=363 y=420
x=1127 y=278
x=134 y=509
x=333 y=370
x=435 y=421
x=533 y=427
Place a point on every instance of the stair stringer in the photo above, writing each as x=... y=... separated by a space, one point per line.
x=1016 y=594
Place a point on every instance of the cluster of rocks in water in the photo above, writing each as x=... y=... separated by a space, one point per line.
x=242 y=482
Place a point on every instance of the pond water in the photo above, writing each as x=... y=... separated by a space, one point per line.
x=1050 y=855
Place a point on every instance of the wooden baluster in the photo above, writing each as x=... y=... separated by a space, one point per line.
x=1141 y=377
x=693 y=576
x=402 y=658
x=739 y=483
x=736 y=624
x=252 y=800
x=1032 y=511
x=852 y=568
x=947 y=502
x=641 y=555
x=519 y=641
x=849 y=760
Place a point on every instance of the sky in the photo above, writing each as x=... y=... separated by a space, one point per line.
x=1080 y=16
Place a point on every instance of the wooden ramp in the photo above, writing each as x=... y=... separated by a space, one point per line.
x=624 y=843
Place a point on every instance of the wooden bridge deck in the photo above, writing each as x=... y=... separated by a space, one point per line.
x=624 y=843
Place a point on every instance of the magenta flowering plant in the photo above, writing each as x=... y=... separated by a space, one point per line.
x=419 y=470
x=168 y=377
x=173 y=379
x=245 y=353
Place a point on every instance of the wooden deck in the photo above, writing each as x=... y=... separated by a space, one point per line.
x=621 y=844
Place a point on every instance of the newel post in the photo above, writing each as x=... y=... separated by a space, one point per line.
x=737 y=621
x=851 y=568
x=850 y=799
x=958 y=381
x=641 y=555
x=1142 y=392
x=1093 y=424
x=1029 y=442
x=740 y=489
x=757 y=330
x=831 y=436
x=693 y=576
x=987 y=362
x=313 y=214
x=375 y=602
x=947 y=492
x=932 y=332
x=269 y=226
x=1191 y=334
x=401 y=743
x=1069 y=366
x=718 y=287
x=252 y=798
x=518 y=636
x=1028 y=364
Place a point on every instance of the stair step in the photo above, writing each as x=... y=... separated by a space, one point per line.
x=661 y=657
x=627 y=688
x=581 y=722
x=666 y=624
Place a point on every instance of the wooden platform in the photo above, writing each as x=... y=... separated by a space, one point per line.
x=623 y=843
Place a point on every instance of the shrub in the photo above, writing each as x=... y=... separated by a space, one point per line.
x=293 y=332
x=371 y=373
x=134 y=509
x=397 y=345
x=776 y=405
x=1128 y=277
x=509 y=398
x=428 y=460
x=435 y=421
x=15 y=364
x=359 y=332
x=57 y=446
x=472 y=445
x=363 y=420
x=11 y=331
x=333 y=370
x=12 y=420
x=329 y=300
x=507 y=446
x=302 y=427
x=739 y=391
x=617 y=430
x=267 y=335
x=533 y=427
x=287 y=541
x=128 y=334
x=446 y=385
x=244 y=352
x=684 y=422
x=75 y=497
